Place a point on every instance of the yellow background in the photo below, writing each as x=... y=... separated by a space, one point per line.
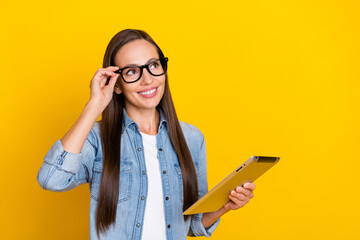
x=278 y=78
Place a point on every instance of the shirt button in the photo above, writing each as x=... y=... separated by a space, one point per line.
x=160 y=149
x=142 y=197
x=164 y=172
x=167 y=198
x=169 y=226
x=139 y=149
x=138 y=225
x=143 y=172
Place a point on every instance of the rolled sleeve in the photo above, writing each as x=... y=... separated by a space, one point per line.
x=63 y=160
x=62 y=170
x=198 y=229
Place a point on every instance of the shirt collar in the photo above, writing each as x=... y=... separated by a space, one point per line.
x=128 y=123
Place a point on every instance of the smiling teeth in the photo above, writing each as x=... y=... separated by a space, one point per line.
x=148 y=92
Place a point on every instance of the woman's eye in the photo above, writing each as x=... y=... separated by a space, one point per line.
x=154 y=65
x=130 y=71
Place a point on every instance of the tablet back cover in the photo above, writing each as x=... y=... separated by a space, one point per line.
x=218 y=196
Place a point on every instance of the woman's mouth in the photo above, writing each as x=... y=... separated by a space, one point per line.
x=148 y=93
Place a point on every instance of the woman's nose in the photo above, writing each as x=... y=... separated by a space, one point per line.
x=146 y=77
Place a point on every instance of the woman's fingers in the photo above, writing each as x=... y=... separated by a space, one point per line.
x=238 y=203
x=105 y=74
x=99 y=91
x=110 y=68
x=244 y=191
x=231 y=205
x=113 y=80
x=101 y=76
x=250 y=186
x=111 y=84
x=240 y=196
x=102 y=73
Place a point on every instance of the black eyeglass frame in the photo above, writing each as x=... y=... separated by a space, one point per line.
x=142 y=68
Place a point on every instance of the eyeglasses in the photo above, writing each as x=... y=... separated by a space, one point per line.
x=132 y=74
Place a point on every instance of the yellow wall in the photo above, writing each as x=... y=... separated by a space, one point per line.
x=257 y=77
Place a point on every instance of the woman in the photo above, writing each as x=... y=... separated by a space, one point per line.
x=143 y=165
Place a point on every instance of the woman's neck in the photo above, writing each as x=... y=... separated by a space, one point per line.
x=147 y=119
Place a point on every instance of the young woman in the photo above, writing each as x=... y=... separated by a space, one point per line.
x=143 y=165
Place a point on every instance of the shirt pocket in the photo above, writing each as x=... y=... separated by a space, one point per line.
x=126 y=171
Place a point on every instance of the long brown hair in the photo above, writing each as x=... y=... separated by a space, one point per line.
x=111 y=128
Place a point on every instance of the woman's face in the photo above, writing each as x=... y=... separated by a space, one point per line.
x=139 y=95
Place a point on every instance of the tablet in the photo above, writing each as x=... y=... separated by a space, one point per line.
x=217 y=197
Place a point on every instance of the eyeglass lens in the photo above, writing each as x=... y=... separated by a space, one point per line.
x=156 y=68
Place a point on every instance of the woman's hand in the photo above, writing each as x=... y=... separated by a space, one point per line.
x=240 y=196
x=101 y=94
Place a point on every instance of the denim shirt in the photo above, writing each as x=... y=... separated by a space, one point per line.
x=62 y=171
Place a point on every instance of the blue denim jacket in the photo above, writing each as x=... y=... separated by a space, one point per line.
x=62 y=171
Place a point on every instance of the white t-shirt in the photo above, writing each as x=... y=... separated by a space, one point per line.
x=154 y=219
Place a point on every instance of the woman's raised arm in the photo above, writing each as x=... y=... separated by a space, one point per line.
x=68 y=163
x=100 y=97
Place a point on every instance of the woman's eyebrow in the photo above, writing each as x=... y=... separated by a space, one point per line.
x=133 y=64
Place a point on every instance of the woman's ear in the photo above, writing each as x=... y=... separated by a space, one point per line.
x=117 y=89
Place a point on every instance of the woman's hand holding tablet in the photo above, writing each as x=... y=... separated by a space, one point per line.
x=218 y=197
x=240 y=196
